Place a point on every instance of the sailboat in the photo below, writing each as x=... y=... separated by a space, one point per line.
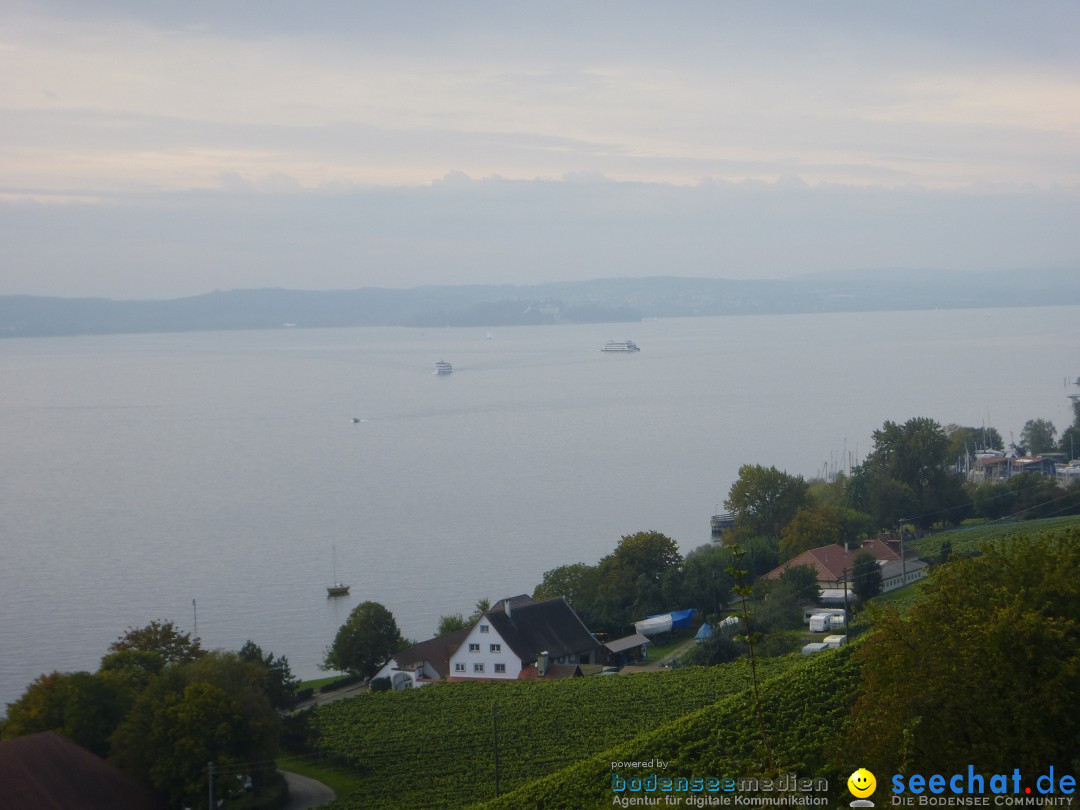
x=336 y=588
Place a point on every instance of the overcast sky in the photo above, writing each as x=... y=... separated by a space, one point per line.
x=158 y=149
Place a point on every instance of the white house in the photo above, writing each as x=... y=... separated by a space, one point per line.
x=423 y=663
x=521 y=638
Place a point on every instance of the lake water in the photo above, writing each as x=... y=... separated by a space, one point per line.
x=142 y=472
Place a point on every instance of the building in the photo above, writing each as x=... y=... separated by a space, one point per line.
x=519 y=638
x=833 y=564
x=520 y=634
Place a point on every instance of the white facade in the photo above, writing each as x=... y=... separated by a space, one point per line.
x=406 y=678
x=484 y=654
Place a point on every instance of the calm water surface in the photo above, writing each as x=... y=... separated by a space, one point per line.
x=142 y=472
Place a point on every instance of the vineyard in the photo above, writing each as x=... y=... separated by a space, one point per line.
x=436 y=746
x=805 y=708
x=970 y=539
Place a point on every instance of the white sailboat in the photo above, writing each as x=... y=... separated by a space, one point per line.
x=335 y=588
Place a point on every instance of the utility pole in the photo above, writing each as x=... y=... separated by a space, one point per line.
x=495 y=727
x=846 y=607
x=195 y=612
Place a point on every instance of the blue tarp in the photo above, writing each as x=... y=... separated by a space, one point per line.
x=703 y=632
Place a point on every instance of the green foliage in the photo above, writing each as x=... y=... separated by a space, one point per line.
x=764 y=499
x=1039 y=436
x=451 y=624
x=162 y=638
x=83 y=707
x=722 y=739
x=814 y=526
x=984 y=668
x=210 y=710
x=434 y=746
x=703 y=583
x=368 y=637
x=865 y=575
x=279 y=684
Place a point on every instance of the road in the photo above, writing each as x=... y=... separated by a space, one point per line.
x=305 y=793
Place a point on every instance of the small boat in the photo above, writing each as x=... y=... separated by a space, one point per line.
x=620 y=346
x=442 y=367
x=356 y=420
x=336 y=588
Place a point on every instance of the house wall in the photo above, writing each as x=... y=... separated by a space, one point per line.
x=484 y=656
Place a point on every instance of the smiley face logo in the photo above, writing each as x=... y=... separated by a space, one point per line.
x=861 y=783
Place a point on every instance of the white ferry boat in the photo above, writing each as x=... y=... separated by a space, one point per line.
x=620 y=346
x=442 y=367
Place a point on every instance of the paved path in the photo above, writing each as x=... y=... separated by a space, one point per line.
x=319 y=698
x=305 y=793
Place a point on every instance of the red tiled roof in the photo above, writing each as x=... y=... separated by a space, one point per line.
x=830 y=561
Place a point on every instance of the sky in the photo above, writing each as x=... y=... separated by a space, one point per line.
x=157 y=150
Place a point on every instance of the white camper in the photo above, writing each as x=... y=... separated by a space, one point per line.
x=819 y=622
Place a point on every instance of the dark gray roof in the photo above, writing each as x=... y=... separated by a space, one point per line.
x=549 y=626
x=627 y=642
x=436 y=651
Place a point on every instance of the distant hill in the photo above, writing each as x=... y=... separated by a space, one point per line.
x=599 y=301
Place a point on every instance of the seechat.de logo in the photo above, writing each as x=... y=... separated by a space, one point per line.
x=862 y=783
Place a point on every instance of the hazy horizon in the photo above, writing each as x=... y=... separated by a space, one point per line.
x=164 y=151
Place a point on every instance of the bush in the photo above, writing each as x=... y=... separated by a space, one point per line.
x=380 y=685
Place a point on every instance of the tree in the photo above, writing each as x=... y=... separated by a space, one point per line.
x=814 y=526
x=451 y=624
x=210 y=710
x=1006 y=623
x=162 y=638
x=279 y=683
x=1039 y=436
x=84 y=707
x=764 y=499
x=368 y=637
x=577 y=583
x=865 y=575
x=631 y=579
x=705 y=583
x=965 y=442
x=905 y=477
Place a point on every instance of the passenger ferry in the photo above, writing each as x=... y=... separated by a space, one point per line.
x=620 y=346
x=442 y=367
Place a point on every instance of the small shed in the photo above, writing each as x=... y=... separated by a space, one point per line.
x=627 y=649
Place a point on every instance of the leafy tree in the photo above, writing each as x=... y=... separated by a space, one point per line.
x=483 y=605
x=368 y=637
x=279 y=683
x=451 y=624
x=1039 y=436
x=905 y=477
x=162 y=638
x=964 y=442
x=705 y=583
x=210 y=710
x=764 y=499
x=1006 y=623
x=865 y=575
x=577 y=583
x=631 y=579
x=84 y=707
x=132 y=668
x=815 y=526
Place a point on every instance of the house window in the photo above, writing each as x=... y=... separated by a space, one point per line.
x=477 y=667
x=474 y=648
x=500 y=667
x=496 y=647
x=484 y=628
x=459 y=667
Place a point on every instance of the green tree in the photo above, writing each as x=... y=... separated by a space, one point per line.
x=814 y=526
x=705 y=583
x=764 y=499
x=279 y=683
x=212 y=710
x=163 y=638
x=1006 y=623
x=865 y=575
x=368 y=637
x=907 y=477
x=577 y=583
x=965 y=442
x=451 y=624
x=83 y=707
x=631 y=579
x=1039 y=436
